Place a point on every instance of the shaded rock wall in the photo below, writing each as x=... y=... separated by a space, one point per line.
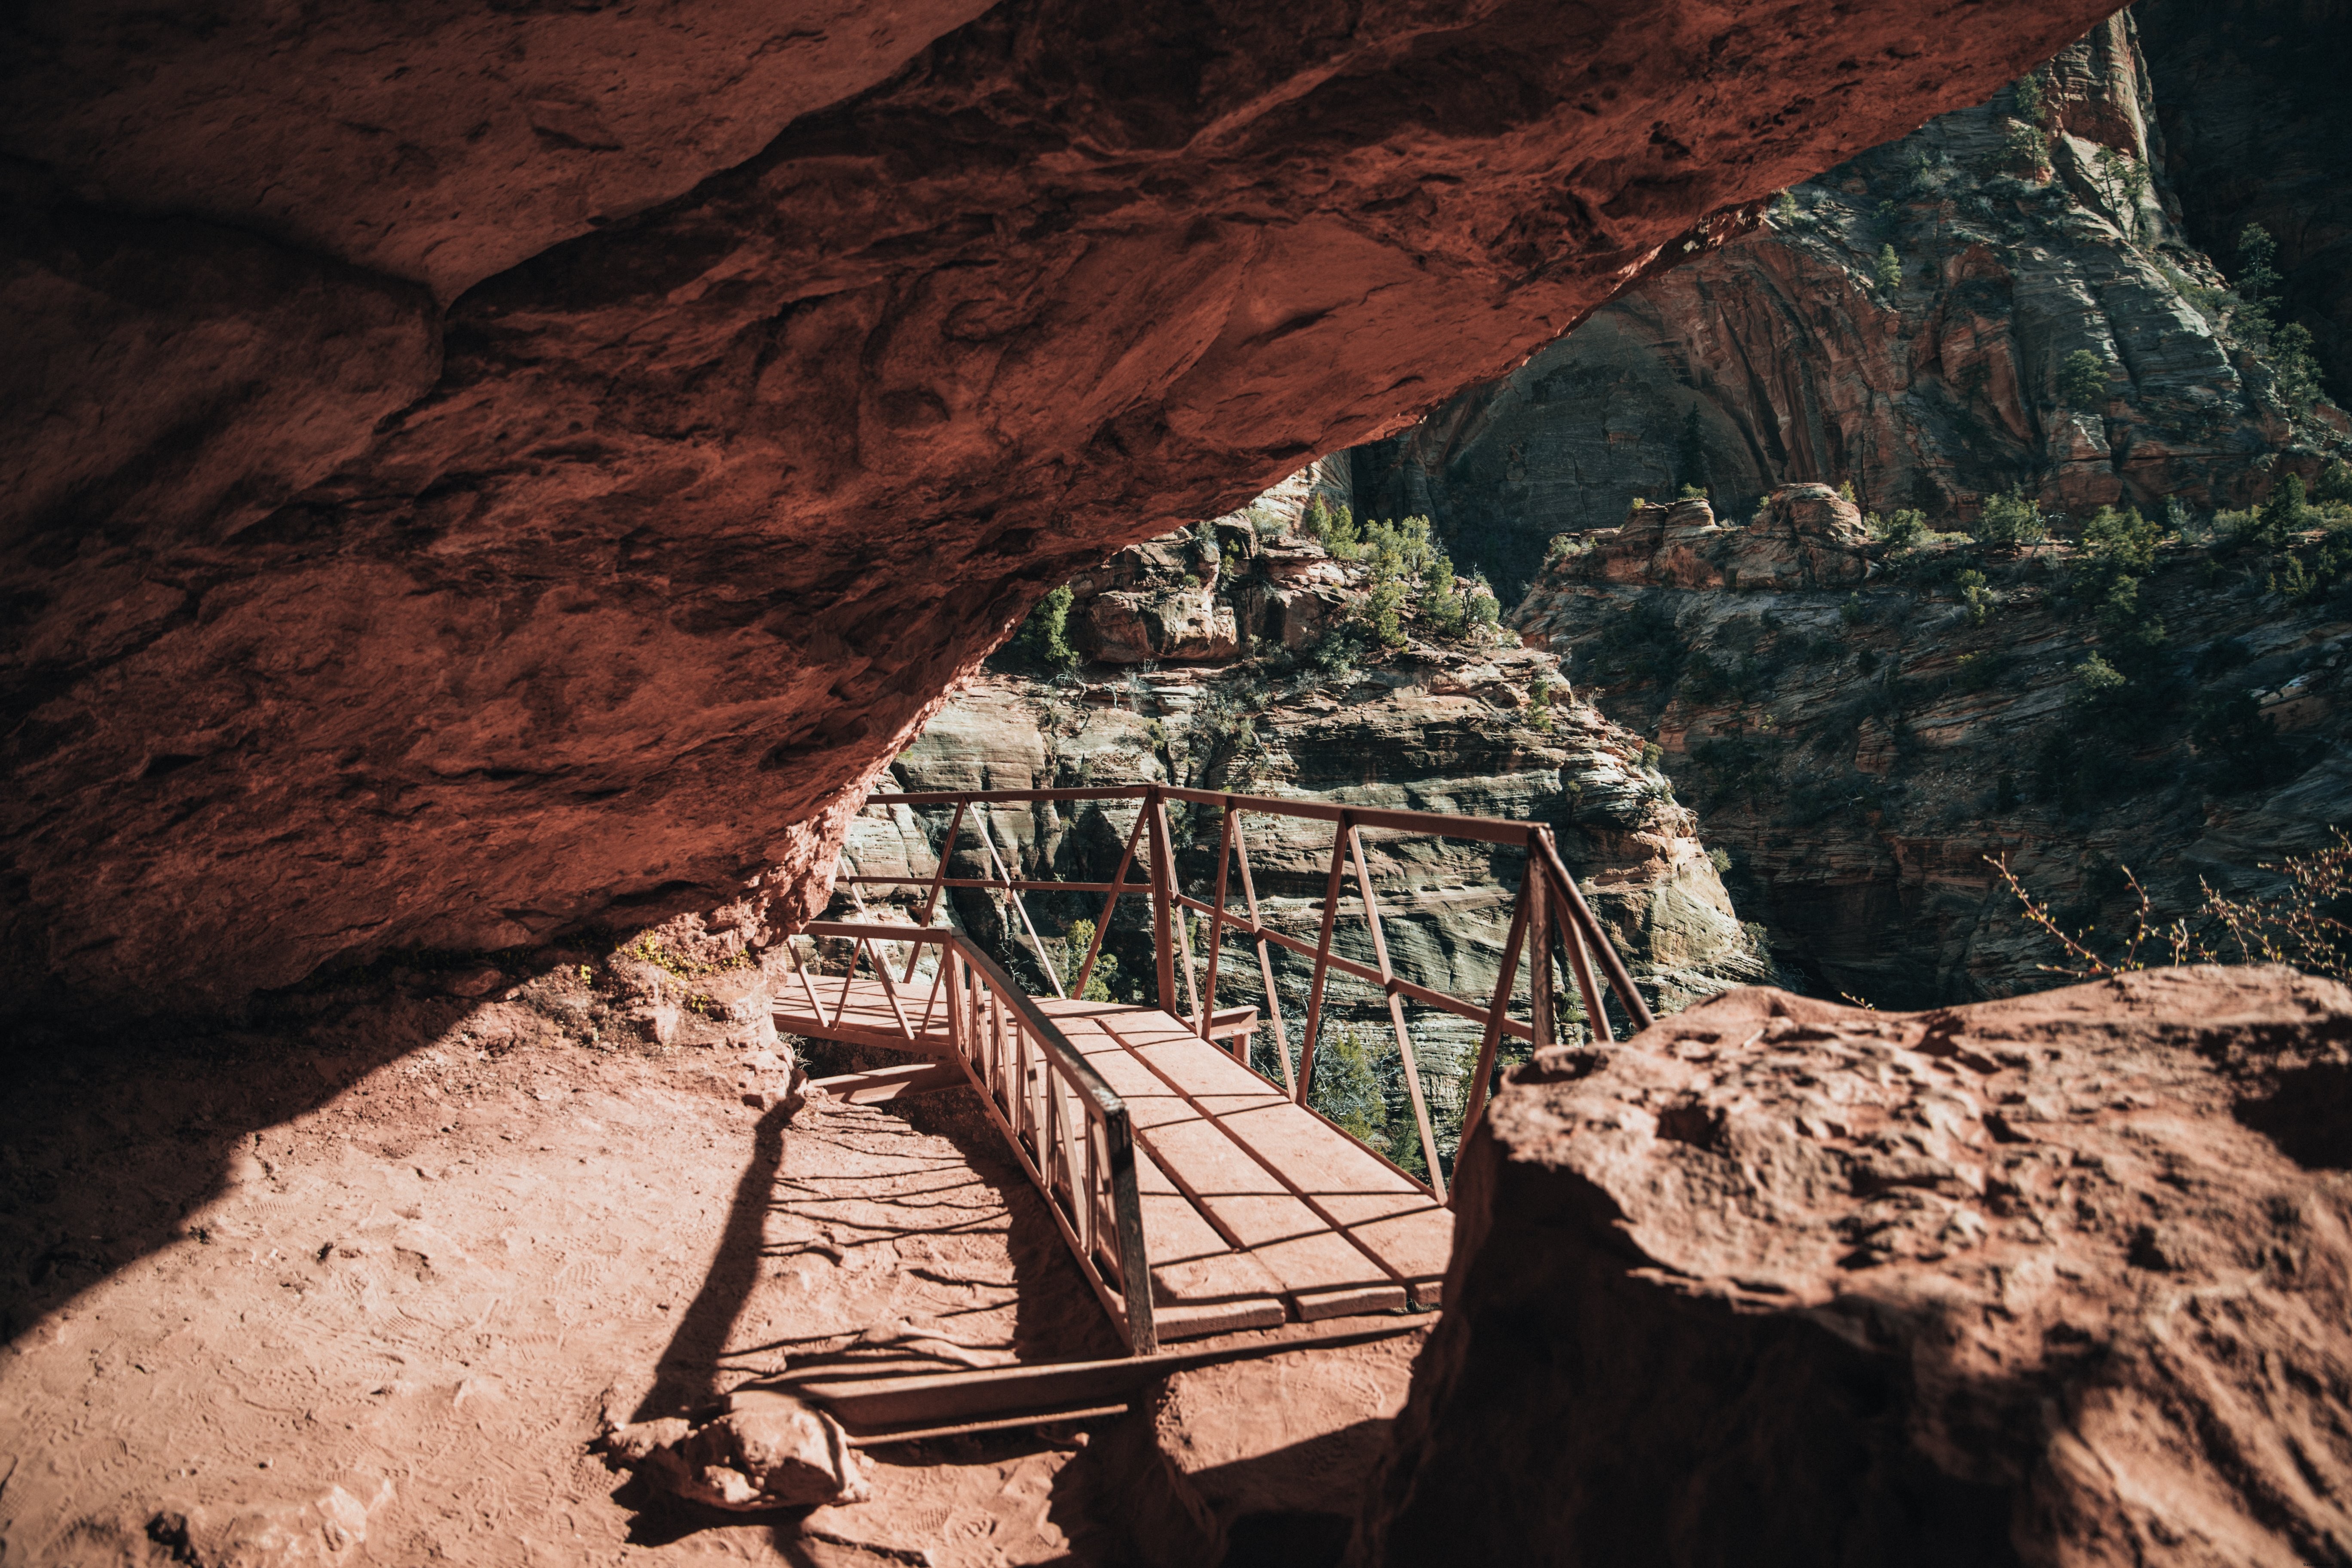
x=2057 y=1281
x=2249 y=97
x=1858 y=743
x=672 y=433
x=1787 y=357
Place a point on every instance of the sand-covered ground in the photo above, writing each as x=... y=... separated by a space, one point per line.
x=376 y=1306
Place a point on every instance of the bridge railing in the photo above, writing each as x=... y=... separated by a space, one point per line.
x=1070 y=1131
x=1550 y=921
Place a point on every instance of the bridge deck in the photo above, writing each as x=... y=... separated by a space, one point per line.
x=1255 y=1210
x=906 y=1015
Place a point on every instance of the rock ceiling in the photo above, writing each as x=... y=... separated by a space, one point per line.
x=477 y=473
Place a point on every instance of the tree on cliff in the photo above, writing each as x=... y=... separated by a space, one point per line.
x=2010 y=522
x=2083 y=381
x=2257 y=320
x=1044 y=638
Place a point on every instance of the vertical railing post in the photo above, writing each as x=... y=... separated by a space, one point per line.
x=1322 y=962
x=1578 y=913
x=1134 y=1261
x=1539 y=916
x=1163 y=887
x=1217 y=922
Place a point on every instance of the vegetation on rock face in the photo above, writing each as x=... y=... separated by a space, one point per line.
x=2257 y=322
x=1889 y=270
x=1045 y=636
x=2083 y=381
x=2303 y=923
x=2010 y=521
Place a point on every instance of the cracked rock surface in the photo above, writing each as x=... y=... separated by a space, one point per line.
x=2058 y=1279
x=636 y=453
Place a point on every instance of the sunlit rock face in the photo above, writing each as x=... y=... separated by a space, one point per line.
x=1904 y=323
x=514 y=488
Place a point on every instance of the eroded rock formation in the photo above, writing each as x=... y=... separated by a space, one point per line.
x=2062 y=1280
x=2249 y=94
x=1859 y=744
x=1464 y=722
x=1795 y=355
x=474 y=475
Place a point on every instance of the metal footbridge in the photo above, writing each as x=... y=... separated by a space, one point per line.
x=1199 y=1192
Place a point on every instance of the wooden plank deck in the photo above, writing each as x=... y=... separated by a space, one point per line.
x=1255 y=1210
x=858 y=1011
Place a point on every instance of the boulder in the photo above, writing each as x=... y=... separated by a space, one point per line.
x=2064 y=1278
x=768 y=1450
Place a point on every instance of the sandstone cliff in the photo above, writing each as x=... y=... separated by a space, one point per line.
x=1234 y=699
x=474 y=475
x=2250 y=96
x=1906 y=324
x=1859 y=732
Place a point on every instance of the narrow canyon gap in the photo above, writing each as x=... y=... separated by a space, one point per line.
x=537 y=475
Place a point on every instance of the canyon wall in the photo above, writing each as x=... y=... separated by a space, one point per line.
x=474 y=477
x=1861 y=731
x=1905 y=325
x=2249 y=94
x=1236 y=698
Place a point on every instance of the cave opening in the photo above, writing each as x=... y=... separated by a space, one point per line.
x=492 y=499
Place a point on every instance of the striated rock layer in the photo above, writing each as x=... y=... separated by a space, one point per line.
x=1797 y=356
x=1858 y=736
x=2064 y=1279
x=1447 y=723
x=513 y=486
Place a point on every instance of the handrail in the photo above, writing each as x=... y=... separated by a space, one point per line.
x=1007 y=1084
x=1534 y=837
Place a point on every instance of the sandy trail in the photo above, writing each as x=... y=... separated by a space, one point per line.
x=399 y=1316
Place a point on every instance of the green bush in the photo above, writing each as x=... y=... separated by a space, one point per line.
x=2082 y=380
x=2030 y=100
x=1335 y=526
x=1784 y=210
x=2126 y=626
x=1347 y=1091
x=1980 y=599
x=2024 y=150
x=1486 y=609
x=1900 y=532
x=2010 y=521
x=1889 y=270
x=2124 y=540
x=1043 y=637
x=1075 y=944
x=2334 y=486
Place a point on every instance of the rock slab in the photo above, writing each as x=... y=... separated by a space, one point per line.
x=2059 y=1279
